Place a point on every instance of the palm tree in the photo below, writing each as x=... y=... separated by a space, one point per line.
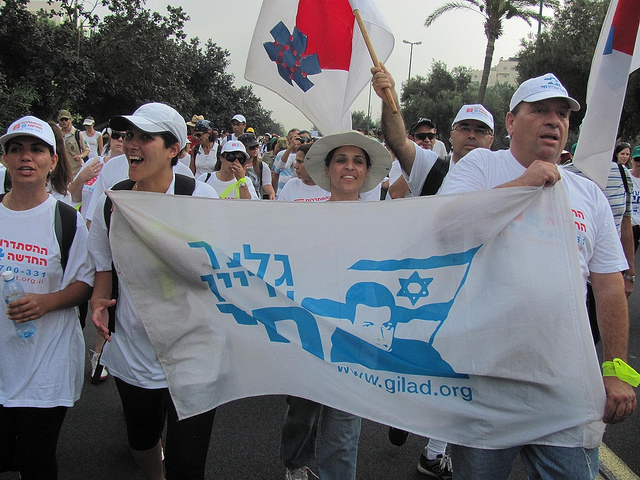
x=493 y=11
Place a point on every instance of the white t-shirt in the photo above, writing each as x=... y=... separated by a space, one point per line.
x=89 y=187
x=114 y=171
x=440 y=149
x=47 y=369
x=3 y=172
x=297 y=191
x=224 y=189
x=93 y=143
x=265 y=180
x=597 y=239
x=635 y=201
x=205 y=163
x=130 y=355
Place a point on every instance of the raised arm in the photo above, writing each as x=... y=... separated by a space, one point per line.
x=393 y=126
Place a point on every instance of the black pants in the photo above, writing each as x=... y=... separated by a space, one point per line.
x=187 y=440
x=28 y=441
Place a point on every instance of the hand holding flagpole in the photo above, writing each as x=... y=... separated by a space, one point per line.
x=374 y=57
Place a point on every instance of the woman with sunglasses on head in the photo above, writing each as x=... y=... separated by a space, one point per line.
x=40 y=372
x=231 y=180
x=205 y=149
x=155 y=135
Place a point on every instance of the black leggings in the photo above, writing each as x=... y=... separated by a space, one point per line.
x=187 y=441
x=28 y=441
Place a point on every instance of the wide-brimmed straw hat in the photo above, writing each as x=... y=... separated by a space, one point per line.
x=380 y=158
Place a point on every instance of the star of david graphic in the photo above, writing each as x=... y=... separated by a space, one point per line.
x=288 y=51
x=405 y=284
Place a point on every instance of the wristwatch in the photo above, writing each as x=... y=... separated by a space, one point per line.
x=631 y=278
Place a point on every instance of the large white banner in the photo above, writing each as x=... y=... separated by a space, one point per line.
x=458 y=317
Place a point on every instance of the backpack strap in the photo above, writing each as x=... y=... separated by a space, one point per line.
x=623 y=174
x=184 y=185
x=77 y=135
x=65 y=223
x=436 y=176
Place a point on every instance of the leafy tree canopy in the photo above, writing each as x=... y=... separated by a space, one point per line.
x=109 y=66
x=440 y=95
x=566 y=50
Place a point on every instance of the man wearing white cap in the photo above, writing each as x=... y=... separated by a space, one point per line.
x=238 y=125
x=472 y=128
x=538 y=124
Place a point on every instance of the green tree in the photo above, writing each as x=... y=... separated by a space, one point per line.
x=359 y=119
x=494 y=13
x=440 y=95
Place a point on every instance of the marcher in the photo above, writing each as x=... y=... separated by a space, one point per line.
x=635 y=177
x=204 y=154
x=40 y=376
x=258 y=171
x=538 y=123
x=471 y=128
x=74 y=142
x=155 y=135
x=93 y=137
x=231 y=180
x=345 y=164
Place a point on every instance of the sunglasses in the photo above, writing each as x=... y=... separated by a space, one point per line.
x=423 y=136
x=63 y=119
x=303 y=139
x=467 y=129
x=230 y=157
x=198 y=135
x=254 y=147
x=117 y=135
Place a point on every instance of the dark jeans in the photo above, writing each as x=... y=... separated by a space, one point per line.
x=28 y=441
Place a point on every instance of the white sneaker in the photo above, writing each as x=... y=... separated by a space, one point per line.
x=94 y=364
x=296 y=474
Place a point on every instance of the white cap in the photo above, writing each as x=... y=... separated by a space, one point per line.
x=154 y=118
x=88 y=121
x=234 y=146
x=541 y=88
x=474 y=112
x=239 y=118
x=32 y=127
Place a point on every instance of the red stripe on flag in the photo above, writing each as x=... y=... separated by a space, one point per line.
x=625 y=25
x=328 y=25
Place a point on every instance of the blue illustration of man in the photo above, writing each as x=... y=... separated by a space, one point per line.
x=372 y=311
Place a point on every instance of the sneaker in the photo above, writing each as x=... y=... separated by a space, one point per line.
x=94 y=365
x=296 y=474
x=397 y=436
x=438 y=468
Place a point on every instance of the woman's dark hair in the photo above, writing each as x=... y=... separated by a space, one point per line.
x=327 y=160
x=169 y=141
x=304 y=148
x=62 y=174
x=619 y=147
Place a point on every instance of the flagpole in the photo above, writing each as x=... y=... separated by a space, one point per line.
x=374 y=57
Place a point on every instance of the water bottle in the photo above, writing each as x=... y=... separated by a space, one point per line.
x=11 y=292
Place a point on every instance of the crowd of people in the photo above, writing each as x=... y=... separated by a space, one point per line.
x=63 y=258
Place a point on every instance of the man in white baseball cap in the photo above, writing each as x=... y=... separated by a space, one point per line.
x=238 y=126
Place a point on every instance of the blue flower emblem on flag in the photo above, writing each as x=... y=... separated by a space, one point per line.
x=287 y=51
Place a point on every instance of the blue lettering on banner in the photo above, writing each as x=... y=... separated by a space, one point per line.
x=370 y=310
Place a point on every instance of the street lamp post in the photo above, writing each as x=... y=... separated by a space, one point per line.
x=411 y=54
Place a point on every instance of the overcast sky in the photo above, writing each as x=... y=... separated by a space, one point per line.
x=457 y=38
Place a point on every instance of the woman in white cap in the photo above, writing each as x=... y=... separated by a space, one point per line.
x=345 y=164
x=94 y=138
x=231 y=180
x=41 y=373
x=155 y=134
